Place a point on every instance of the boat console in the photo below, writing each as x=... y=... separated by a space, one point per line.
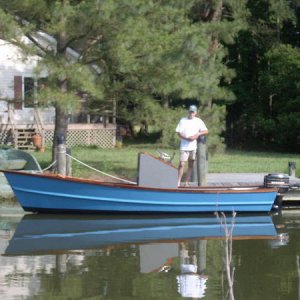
x=156 y=172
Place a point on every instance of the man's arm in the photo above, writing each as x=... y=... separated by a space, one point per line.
x=193 y=137
x=187 y=138
x=203 y=132
x=200 y=133
x=182 y=136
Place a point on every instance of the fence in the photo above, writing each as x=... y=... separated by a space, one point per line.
x=78 y=134
x=86 y=134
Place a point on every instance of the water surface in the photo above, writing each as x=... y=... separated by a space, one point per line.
x=150 y=257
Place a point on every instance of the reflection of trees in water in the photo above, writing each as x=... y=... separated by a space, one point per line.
x=226 y=246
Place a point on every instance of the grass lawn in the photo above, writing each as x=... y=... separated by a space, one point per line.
x=122 y=162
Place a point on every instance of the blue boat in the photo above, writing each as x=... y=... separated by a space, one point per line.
x=41 y=234
x=59 y=194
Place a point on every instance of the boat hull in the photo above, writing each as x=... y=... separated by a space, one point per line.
x=45 y=193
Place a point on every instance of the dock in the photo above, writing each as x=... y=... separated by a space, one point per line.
x=241 y=179
x=292 y=197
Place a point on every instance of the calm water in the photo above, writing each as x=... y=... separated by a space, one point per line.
x=162 y=257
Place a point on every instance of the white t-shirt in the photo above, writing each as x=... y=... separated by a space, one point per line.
x=191 y=285
x=189 y=127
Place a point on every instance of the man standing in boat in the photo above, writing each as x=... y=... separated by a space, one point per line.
x=189 y=129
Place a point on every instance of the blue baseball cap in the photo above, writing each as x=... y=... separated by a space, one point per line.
x=193 y=108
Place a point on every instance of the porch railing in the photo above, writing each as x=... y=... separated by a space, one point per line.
x=11 y=123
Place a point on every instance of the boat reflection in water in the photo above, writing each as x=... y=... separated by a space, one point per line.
x=37 y=234
x=167 y=244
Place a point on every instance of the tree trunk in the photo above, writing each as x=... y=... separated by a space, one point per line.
x=61 y=115
x=60 y=130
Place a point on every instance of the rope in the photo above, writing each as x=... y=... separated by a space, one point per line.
x=92 y=168
x=49 y=166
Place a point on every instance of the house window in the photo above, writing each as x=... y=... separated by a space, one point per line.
x=31 y=88
x=29 y=92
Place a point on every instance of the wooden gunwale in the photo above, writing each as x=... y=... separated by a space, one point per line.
x=198 y=190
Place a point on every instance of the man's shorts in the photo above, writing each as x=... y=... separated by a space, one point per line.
x=187 y=155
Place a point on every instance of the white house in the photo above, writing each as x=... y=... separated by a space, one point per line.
x=19 y=119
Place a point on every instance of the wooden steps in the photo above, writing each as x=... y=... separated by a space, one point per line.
x=24 y=139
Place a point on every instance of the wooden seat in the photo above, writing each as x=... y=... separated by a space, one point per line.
x=13 y=159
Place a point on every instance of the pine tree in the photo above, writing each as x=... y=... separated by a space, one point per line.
x=154 y=56
x=171 y=54
x=68 y=24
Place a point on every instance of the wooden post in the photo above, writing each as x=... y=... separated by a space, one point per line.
x=68 y=163
x=292 y=168
x=194 y=173
x=61 y=156
x=61 y=263
x=202 y=161
x=202 y=255
x=61 y=159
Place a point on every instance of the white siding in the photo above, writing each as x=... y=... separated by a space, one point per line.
x=13 y=62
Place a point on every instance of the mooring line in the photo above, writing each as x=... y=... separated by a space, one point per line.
x=50 y=166
x=92 y=168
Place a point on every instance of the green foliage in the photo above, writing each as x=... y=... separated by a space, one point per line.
x=280 y=98
x=168 y=123
x=215 y=121
x=282 y=76
x=168 y=55
x=8 y=25
x=281 y=10
x=154 y=58
x=267 y=66
x=4 y=147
